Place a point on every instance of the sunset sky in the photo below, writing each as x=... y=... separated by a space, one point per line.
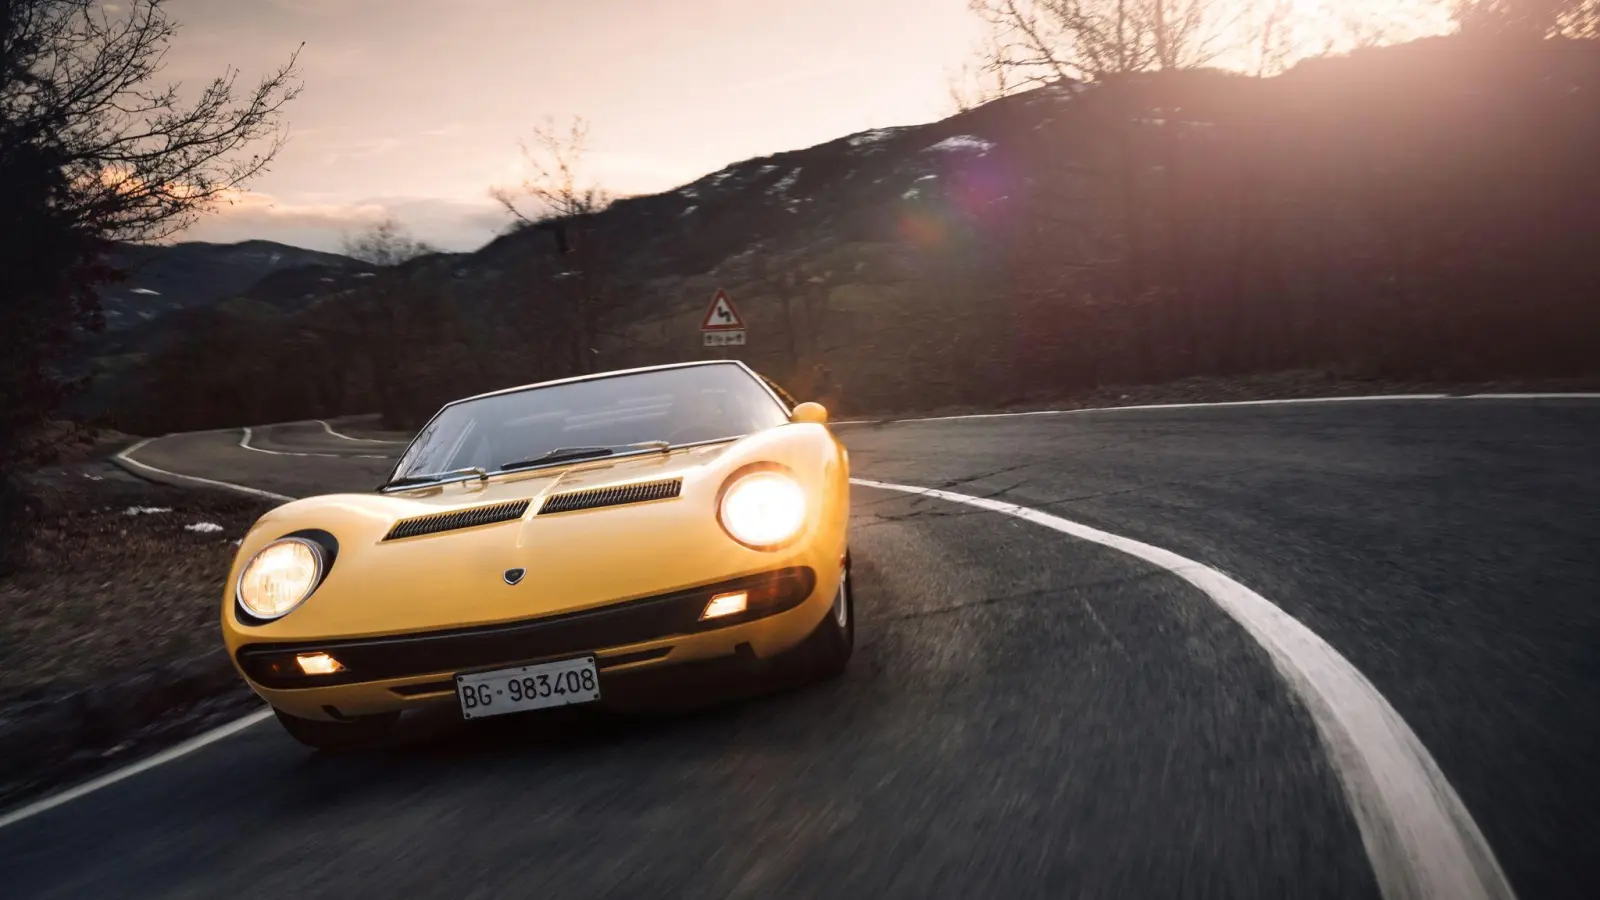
x=415 y=107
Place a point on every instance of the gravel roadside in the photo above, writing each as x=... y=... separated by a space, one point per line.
x=110 y=635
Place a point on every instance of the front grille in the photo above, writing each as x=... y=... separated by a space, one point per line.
x=551 y=637
x=594 y=498
x=487 y=514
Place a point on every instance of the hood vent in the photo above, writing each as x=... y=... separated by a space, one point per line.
x=594 y=498
x=488 y=514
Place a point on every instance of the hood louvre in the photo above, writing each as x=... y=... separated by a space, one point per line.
x=488 y=514
x=594 y=498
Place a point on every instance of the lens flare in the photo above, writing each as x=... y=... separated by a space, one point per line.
x=764 y=509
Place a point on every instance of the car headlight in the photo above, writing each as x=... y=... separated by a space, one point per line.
x=280 y=577
x=763 y=509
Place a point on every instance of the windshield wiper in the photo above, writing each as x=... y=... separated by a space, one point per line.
x=568 y=454
x=479 y=471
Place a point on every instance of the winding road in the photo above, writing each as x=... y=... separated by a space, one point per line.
x=1321 y=649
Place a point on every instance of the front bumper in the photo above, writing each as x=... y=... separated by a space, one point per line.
x=389 y=673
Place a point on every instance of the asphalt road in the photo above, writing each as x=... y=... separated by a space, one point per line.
x=1027 y=714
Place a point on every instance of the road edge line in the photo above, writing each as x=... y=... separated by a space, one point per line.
x=125 y=459
x=1420 y=839
x=249 y=433
x=44 y=804
x=329 y=429
x=94 y=784
x=1285 y=401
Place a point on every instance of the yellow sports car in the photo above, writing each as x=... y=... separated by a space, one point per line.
x=549 y=544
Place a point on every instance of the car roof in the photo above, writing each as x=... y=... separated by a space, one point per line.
x=612 y=374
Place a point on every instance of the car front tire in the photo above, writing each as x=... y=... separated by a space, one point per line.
x=826 y=651
x=336 y=737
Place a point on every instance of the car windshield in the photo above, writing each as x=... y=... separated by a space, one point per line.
x=586 y=419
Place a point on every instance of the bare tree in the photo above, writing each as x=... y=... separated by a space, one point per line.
x=554 y=182
x=565 y=204
x=1044 y=41
x=1274 y=38
x=92 y=150
x=971 y=87
x=384 y=318
x=1528 y=19
x=78 y=75
x=387 y=243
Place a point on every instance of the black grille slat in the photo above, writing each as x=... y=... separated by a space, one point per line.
x=594 y=498
x=488 y=514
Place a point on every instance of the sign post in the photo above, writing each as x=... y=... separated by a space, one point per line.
x=722 y=325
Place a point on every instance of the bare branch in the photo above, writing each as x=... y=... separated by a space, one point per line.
x=141 y=163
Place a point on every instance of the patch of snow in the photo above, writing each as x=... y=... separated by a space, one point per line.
x=687 y=211
x=366 y=274
x=203 y=527
x=92 y=477
x=326 y=280
x=689 y=192
x=146 y=291
x=147 y=316
x=962 y=143
x=875 y=136
x=785 y=182
x=766 y=170
x=146 y=510
x=113 y=312
x=929 y=178
x=911 y=194
x=238 y=542
x=275 y=258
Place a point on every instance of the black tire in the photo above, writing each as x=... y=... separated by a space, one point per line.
x=336 y=737
x=825 y=652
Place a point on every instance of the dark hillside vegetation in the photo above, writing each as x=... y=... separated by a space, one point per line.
x=1424 y=211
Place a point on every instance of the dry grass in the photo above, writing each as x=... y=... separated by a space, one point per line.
x=104 y=592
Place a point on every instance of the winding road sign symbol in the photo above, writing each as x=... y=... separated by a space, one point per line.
x=721 y=315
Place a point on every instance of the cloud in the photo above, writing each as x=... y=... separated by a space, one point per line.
x=320 y=223
x=362 y=149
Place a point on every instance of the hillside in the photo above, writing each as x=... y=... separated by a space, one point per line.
x=1379 y=215
x=165 y=278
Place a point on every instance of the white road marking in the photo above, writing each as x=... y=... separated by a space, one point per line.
x=329 y=429
x=183 y=749
x=1285 y=402
x=165 y=756
x=1419 y=837
x=1151 y=406
x=1550 y=396
x=127 y=457
x=250 y=433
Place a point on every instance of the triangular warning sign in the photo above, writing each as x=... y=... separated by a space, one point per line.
x=721 y=316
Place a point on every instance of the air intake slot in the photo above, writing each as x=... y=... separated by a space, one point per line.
x=488 y=514
x=594 y=498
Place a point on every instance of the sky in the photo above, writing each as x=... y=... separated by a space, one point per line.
x=415 y=108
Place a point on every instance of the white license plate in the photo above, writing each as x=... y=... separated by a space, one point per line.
x=528 y=687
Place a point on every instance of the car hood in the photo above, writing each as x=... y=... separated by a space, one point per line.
x=380 y=584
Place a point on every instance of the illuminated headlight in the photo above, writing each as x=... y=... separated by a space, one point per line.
x=280 y=577
x=763 y=509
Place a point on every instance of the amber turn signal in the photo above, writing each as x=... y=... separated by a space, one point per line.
x=318 y=664
x=726 y=605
